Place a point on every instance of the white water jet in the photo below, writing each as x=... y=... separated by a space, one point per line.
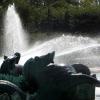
x=69 y=49
x=14 y=34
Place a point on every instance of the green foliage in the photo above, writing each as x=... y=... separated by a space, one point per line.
x=48 y=14
x=84 y=17
x=87 y=2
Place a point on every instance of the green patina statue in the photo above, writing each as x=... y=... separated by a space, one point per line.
x=41 y=79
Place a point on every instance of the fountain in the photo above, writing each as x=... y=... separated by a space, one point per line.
x=69 y=49
x=14 y=34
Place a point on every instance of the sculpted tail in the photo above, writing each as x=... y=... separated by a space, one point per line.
x=84 y=79
x=10 y=88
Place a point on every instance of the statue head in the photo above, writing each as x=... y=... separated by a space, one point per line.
x=43 y=60
x=46 y=59
x=80 y=68
x=17 y=55
x=5 y=57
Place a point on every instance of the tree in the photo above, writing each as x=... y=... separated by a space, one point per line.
x=87 y=2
